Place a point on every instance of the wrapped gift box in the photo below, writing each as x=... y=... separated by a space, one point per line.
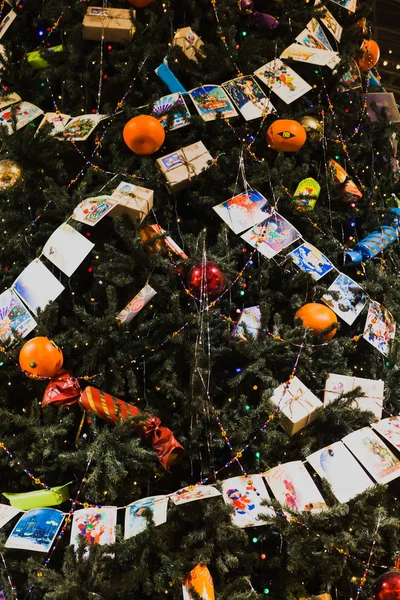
x=297 y=405
x=133 y=200
x=182 y=167
x=341 y=384
x=190 y=43
x=114 y=22
x=321 y=597
x=36 y=60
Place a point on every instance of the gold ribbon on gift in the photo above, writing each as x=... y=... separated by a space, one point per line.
x=183 y=160
x=299 y=397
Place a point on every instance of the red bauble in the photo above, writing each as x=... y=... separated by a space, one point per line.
x=387 y=586
x=206 y=278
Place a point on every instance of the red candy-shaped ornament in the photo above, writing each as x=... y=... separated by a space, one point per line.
x=387 y=586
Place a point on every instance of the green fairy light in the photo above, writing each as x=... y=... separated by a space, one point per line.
x=247 y=407
x=266 y=591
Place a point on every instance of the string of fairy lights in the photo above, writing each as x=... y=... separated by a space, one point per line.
x=89 y=162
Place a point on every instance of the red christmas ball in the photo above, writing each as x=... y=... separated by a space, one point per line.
x=387 y=586
x=206 y=277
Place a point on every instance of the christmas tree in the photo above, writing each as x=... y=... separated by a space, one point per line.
x=207 y=391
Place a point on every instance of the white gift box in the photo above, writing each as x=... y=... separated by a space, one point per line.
x=341 y=384
x=297 y=405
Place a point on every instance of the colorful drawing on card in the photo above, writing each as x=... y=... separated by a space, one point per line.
x=389 y=429
x=175 y=104
x=249 y=323
x=7 y=513
x=66 y=248
x=57 y=121
x=137 y=513
x=313 y=56
x=14 y=317
x=272 y=235
x=380 y=327
x=311 y=260
x=332 y=25
x=95 y=525
x=346 y=298
x=92 y=210
x=80 y=128
x=373 y=454
x=36 y=530
x=282 y=80
x=350 y=5
x=244 y=210
x=351 y=79
x=245 y=495
x=314 y=36
x=343 y=472
x=211 y=102
x=37 y=286
x=248 y=97
x=25 y=112
x=201 y=581
x=192 y=493
x=293 y=487
x=6 y=99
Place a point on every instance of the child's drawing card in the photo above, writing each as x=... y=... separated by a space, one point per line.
x=350 y=5
x=14 y=317
x=91 y=210
x=6 y=22
x=283 y=81
x=66 y=248
x=212 y=101
x=96 y=525
x=245 y=495
x=243 y=211
x=80 y=128
x=176 y=104
x=373 y=454
x=36 y=530
x=25 y=112
x=7 y=513
x=293 y=486
x=343 y=472
x=346 y=298
x=249 y=324
x=332 y=25
x=136 y=514
x=7 y=99
x=380 y=327
x=311 y=260
x=314 y=36
x=351 y=79
x=37 y=286
x=389 y=429
x=272 y=235
x=57 y=121
x=195 y=492
x=314 y=56
x=248 y=97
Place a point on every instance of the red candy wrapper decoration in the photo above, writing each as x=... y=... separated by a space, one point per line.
x=65 y=390
x=109 y=408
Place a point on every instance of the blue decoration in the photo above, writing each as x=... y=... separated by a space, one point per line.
x=376 y=241
x=167 y=76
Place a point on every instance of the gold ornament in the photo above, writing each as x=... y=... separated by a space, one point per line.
x=10 y=174
x=312 y=126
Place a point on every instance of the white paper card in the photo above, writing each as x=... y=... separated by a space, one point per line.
x=245 y=494
x=282 y=80
x=292 y=486
x=96 y=525
x=337 y=465
x=36 y=530
x=37 y=286
x=373 y=454
x=390 y=430
x=135 y=514
x=7 y=513
x=200 y=492
x=66 y=248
